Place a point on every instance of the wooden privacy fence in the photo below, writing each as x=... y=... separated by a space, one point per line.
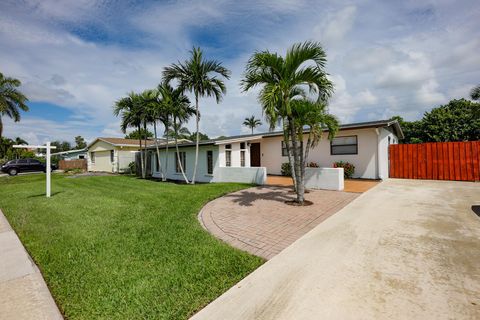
x=72 y=164
x=437 y=161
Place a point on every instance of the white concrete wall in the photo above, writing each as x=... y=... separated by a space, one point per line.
x=235 y=154
x=202 y=175
x=256 y=175
x=385 y=138
x=364 y=161
x=324 y=178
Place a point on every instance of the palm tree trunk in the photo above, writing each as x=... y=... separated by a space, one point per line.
x=286 y=139
x=166 y=151
x=178 y=153
x=297 y=164
x=144 y=172
x=1 y=126
x=141 y=151
x=252 y=131
x=307 y=151
x=197 y=120
x=159 y=162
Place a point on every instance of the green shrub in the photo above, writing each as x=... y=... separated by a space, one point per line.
x=73 y=171
x=286 y=169
x=312 y=165
x=348 y=168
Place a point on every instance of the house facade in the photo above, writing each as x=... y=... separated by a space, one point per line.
x=248 y=158
x=111 y=154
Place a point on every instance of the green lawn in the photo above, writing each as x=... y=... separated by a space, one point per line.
x=117 y=247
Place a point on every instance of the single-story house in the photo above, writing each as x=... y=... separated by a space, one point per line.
x=112 y=154
x=71 y=154
x=238 y=158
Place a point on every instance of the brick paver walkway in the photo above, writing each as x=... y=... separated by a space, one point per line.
x=258 y=221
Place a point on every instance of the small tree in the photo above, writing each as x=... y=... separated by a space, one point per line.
x=139 y=134
x=252 y=123
x=80 y=142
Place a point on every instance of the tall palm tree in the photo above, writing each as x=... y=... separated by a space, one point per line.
x=282 y=80
x=153 y=110
x=177 y=105
x=11 y=99
x=252 y=123
x=131 y=112
x=200 y=77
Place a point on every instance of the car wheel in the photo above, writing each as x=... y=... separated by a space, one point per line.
x=13 y=172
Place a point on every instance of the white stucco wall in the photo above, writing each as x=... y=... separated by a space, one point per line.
x=385 y=138
x=202 y=175
x=365 y=161
x=324 y=178
x=235 y=154
x=254 y=175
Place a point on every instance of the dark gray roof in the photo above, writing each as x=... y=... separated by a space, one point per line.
x=347 y=126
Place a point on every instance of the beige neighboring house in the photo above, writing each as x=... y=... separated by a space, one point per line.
x=112 y=154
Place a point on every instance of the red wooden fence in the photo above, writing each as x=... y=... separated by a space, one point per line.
x=72 y=164
x=436 y=161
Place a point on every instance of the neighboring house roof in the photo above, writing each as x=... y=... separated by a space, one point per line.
x=69 y=151
x=122 y=142
x=349 y=126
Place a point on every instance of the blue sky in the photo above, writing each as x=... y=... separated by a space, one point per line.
x=75 y=58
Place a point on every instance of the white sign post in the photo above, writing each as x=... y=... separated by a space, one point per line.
x=48 y=167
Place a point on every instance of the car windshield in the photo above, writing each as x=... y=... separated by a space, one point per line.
x=11 y=161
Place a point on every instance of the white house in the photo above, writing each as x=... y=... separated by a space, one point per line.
x=248 y=158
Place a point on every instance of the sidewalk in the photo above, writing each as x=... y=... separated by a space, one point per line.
x=23 y=292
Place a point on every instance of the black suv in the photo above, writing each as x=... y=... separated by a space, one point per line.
x=13 y=167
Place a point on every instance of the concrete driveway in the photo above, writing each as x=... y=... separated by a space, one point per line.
x=407 y=249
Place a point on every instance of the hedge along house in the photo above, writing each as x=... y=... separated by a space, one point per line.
x=112 y=154
x=248 y=158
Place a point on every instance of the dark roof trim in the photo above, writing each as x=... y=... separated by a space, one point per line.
x=349 y=126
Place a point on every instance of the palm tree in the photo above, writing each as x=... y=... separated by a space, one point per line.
x=284 y=79
x=475 y=93
x=11 y=99
x=154 y=109
x=180 y=111
x=178 y=132
x=252 y=123
x=200 y=77
x=131 y=112
x=314 y=116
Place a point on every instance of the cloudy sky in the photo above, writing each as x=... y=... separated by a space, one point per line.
x=75 y=58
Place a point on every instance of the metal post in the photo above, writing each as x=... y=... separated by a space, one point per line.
x=48 y=169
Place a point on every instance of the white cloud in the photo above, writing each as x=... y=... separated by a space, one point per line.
x=337 y=26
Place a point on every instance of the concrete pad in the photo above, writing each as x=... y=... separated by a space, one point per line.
x=407 y=249
x=23 y=292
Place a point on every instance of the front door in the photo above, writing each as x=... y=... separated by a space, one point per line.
x=255 y=155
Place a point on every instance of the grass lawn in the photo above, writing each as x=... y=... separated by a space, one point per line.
x=116 y=247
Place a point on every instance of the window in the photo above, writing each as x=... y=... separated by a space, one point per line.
x=81 y=157
x=33 y=161
x=284 y=148
x=112 y=156
x=209 y=162
x=242 y=145
x=22 y=161
x=92 y=157
x=228 y=158
x=242 y=158
x=183 y=158
x=228 y=155
x=344 y=145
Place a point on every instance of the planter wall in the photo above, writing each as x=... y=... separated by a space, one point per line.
x=324 y=178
